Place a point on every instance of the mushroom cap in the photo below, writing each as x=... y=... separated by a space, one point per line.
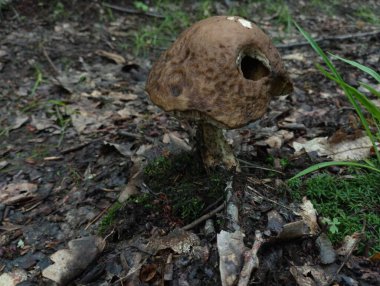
x=223 y=69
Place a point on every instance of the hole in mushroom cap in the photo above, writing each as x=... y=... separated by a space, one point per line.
x=176 y=90
x=253 y=68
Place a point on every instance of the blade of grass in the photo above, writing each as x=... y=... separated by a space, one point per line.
x=367 y=70
x=370 y=89
x=369 y=105
x=333 y=163
x=350 y=97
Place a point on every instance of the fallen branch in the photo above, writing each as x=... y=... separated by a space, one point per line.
x=329 y=38
x=132 y=11
x=251 y=261
x=204 y=217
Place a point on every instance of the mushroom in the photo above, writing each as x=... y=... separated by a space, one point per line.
x=222 y=73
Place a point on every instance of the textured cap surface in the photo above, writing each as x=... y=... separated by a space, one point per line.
x=223 y=69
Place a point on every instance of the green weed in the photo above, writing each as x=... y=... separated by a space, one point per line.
x=38 y=80
x=58 y=109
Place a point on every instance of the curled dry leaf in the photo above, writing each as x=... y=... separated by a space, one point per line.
x=148 y=272
x=112 y=56
x=309 y=215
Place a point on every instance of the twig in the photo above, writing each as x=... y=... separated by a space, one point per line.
x=347 y=257
x=269 y=200
x=136 y=136
x=132 y=11
x=250 y=165
x=57 y=72
x=74 y=148
x=97 y=217
x=212 y=205
x=330 y=38
x=204 y=217
x=251 y=261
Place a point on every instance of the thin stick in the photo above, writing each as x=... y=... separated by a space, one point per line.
x=269 y=200
x=136 y=136
x=250 y=165
x=132 y=11
x=74 y=148
x=97 y=217
x=50 y=61
x=204 y=217
x=330 y=38
x=251 y=261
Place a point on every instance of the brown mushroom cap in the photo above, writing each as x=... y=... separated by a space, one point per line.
x=223 y=69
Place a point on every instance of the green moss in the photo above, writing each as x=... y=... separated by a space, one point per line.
x=109 y=218
x=182 y=185
x=347 y=202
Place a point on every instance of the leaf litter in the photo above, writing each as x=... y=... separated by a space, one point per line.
x=45 y=205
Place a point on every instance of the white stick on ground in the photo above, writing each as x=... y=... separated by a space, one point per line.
x=251 y=261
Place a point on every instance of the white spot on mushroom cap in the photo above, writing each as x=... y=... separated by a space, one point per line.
x=245 y=23
x=231 y=18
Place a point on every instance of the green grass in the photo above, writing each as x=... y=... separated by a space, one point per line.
x=157 y=34
x=359 y=101
x=367 y=15
x=346 y=203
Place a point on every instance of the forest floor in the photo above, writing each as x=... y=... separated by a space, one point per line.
x=79 y=139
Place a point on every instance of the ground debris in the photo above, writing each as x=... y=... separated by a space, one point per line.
x=69 y=263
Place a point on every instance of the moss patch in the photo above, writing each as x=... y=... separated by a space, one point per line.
x=109 y=218
x=347 y=202
x=182 y=187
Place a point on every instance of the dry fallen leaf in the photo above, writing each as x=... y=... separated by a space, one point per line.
x=352 y=150
x=309 y=215
x=310 y=275
x=231 y=249
x=349 y=243
x=14 y=193
x=279 y=138
x=19 y=121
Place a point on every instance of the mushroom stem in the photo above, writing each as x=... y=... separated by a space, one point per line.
x=214 y=148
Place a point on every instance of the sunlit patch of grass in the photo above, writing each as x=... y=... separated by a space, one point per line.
x=348 y=203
